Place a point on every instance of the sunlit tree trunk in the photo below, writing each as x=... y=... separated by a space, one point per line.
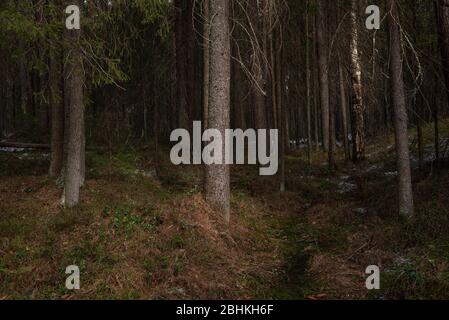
x=358 y=108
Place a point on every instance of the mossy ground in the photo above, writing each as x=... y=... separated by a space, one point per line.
x=143 y=230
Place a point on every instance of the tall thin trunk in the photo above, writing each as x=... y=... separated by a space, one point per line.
x=184 y=64
x=309 y=118
x=358 y=108
x=323 y=68
x=406 y=208
x=83 y=152
x=24 y=86
x=258 y=71
x=332 y=11
x=272 y=44
x=316 y=97
x=217 y=184
x=57 y=116
x=442 y=13
x=206 y=60
x=74 y=91
x=9 y=109
x=343 y=110
x=281 y=112
x=417 y=98
x=436 y=129
x=43 y=105
x=238 y=93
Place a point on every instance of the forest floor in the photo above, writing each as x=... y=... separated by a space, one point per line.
x=143 y=230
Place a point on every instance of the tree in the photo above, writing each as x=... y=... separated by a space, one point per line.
x=257 y=68
x=323 y=67
x=206 y=60
x=332 y=10
x=57 y=116
x=217 y=186
x=185 y=67
x=358 y=109
x=442 y=12
x=74 y=79
x=308 y=102
x=343 y=110
x=406 y=208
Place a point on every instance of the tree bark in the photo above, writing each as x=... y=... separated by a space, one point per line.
x=258 y=70
x=57 y=117
x=308 y=104
x=406 y=207
x=24 y=87
x=316 y=98
x=323 y=68
x=332 y=11
x=184 y=61
x=206 y=60
x=74 y=86
x=281 y=111
x=217 y=184
x=442 y=13
x=343 y=110
x=358 y=108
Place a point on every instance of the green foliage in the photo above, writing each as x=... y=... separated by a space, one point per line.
x=155 y=12
x=109 y=35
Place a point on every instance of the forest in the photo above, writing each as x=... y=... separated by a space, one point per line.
x=224 y=149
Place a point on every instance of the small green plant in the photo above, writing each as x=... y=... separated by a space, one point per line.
x=177 y=241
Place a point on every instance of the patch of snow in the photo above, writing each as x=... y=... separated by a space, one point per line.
x=346 y=187
x=401 y=261
x=146 y=174
x=11 y=149
x=33 y=156
x=372 y=168
x=391 y=174
x=361 y=211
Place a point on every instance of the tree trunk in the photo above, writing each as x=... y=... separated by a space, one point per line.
x=281 y=111
x=217 y=185
x=272 y=45
x=323 y=68
x=343 y=110
x=406 y=208
x=57 y=117
x=308 y=105
x=206 y=60
x=184 y=61
x=358 y=109
x=9 y=105
x=43 y=105
x=258 y=71
x=442 y=12
x=332 y=11
x=24 y=86
x=74 y=86
x=316 y=98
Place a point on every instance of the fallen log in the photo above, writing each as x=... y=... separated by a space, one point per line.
x=24 y=145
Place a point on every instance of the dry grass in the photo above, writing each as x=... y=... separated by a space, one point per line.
x=154 y=237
